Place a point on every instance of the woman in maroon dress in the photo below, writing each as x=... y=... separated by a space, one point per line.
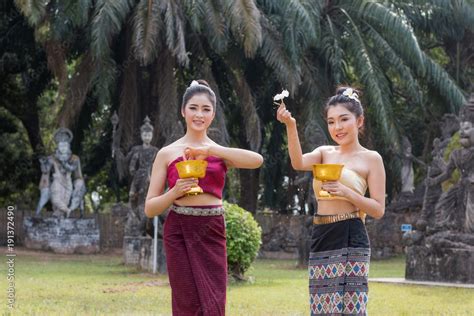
x=194 y=231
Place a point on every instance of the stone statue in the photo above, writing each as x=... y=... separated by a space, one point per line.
x=61 y=181
x=442 y=246
x=408 y=176
x=137 y=165
x=407 y=173
x=449 y=126
x=455 y=208
x=432 y=191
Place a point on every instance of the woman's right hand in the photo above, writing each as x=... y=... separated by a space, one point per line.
x=182 y=186
x=284 y=116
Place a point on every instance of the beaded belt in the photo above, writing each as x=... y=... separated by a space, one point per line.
x=197 y=211
x=328 y=219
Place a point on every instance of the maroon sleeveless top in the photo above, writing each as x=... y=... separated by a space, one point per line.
x=212 y=183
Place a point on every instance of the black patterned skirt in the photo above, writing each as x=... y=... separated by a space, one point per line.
x=339 y=268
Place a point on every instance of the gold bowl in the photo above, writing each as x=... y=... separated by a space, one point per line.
x=192 y=169
x=327 y=171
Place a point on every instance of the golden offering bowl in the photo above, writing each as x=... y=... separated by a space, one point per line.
x=192 y=169
x=327 y=172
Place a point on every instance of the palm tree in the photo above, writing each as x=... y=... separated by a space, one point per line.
x=372 y=44
x=138 y=56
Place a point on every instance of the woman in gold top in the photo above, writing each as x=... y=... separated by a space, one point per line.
x=340 y=250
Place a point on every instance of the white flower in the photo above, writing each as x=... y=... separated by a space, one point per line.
x=194 y=83
x=349 y=92
x=281 y=95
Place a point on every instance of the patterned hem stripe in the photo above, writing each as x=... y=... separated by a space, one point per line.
x=338 y=281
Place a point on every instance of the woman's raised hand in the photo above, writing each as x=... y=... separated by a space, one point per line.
x=284 y=116
x=196 y=153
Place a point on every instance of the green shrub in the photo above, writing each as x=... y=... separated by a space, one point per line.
x=244 y=237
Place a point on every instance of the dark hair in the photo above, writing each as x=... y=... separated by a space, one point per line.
x=351 y=103
x=201 y=88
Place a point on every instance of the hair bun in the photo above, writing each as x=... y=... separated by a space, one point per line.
x=203 y=82
x=340 y=90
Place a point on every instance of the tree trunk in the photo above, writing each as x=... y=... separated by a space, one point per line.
x=249 y=189
x=79 y=86
x=168 y=124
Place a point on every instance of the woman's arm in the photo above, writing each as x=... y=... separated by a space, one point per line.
x=234 y=157
x=156 y=201
x=373 y=206
x=298 y=160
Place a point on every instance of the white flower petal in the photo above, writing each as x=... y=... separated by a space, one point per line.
x=285 y=93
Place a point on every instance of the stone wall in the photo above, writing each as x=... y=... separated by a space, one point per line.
x=385 y=234
x=285 y=236
x=62 y=235
x=444 y=264
x=138 y=252
x=281 y=235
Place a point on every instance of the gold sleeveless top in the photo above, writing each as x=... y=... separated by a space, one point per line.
x=349 y=178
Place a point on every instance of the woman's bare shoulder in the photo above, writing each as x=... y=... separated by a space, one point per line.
x=372 y=155
x=171 y=151
x=326 y=148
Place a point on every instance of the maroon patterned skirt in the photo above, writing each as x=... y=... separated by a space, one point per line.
x=197 y=263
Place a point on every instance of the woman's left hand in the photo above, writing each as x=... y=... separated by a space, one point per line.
x=196 y=153
x=335 y=188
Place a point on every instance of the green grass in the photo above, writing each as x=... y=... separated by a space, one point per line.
x=48 y=284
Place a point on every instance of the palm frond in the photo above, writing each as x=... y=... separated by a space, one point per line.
x=77 y=11
x=244 y=20
x=332 y=50
x=33 y=10
x=313 y=132
x=440 y=16
x=175 y=30
x=207 y=17
x=147 y=25
x=109 y=17
x=376 y=85
x=105 y=79
x=383 y=49
x=275 y=56
x=314 y=87
x=300 y=25
x=314 y=83
x=107 y=22
x=446 y=86
x=67 y=18
x=395 y=26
